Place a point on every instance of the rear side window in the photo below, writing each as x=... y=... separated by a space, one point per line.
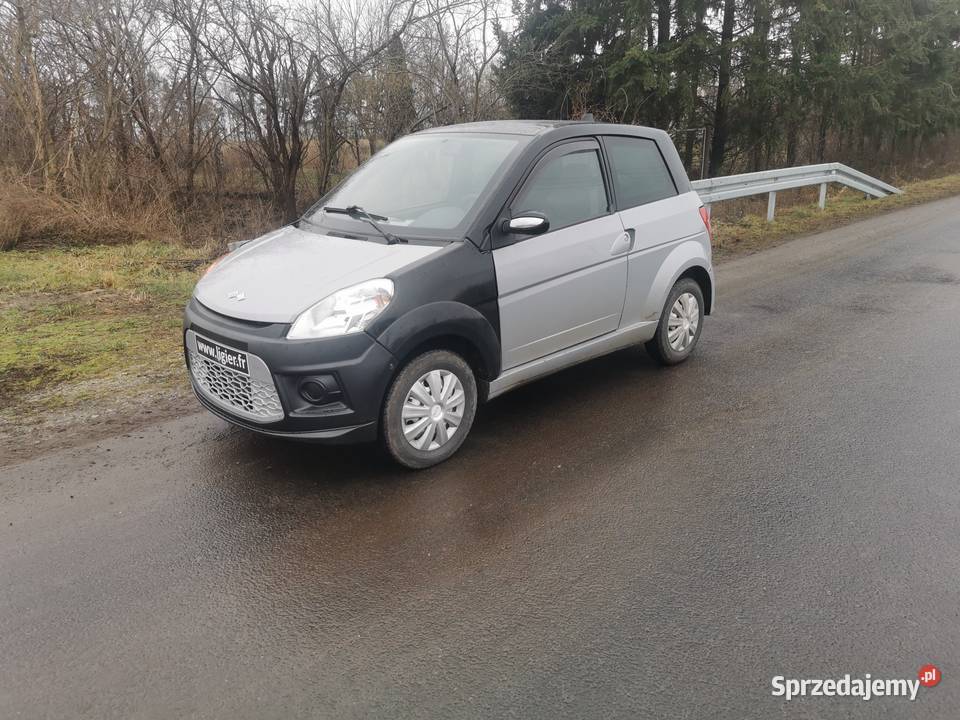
x=567 y=188
x=640 y=175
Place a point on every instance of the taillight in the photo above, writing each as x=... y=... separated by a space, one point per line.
x=705 y=216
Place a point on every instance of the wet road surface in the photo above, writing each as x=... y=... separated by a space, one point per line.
x=618 y=540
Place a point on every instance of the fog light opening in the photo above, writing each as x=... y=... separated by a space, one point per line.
x=313 y=391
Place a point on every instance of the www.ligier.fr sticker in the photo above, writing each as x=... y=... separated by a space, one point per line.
x=228 y=357
x=865 y=688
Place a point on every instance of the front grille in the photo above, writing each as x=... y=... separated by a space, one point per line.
x=248 y=397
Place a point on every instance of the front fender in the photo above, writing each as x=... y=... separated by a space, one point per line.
x=444 y=319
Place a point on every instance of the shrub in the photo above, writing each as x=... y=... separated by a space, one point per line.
x=31 y=219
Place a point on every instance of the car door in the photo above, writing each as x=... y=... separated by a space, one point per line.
x=654 y=213
x=567 y=285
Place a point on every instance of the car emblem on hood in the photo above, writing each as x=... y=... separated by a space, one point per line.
x=237 y=295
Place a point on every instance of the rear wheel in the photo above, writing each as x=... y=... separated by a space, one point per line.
x=429 y=409
x=680 y=324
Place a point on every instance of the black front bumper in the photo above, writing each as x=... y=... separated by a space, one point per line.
x=355 y=369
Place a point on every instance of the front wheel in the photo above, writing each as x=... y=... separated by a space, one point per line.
x=429 y=409
x=680 y=324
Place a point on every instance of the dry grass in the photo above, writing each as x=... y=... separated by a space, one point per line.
x=32 y=219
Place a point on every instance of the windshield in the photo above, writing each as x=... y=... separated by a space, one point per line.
x=422 y=182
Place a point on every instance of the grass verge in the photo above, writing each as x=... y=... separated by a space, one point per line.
x=83 y=313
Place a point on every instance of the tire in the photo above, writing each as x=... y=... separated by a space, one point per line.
x=441 y=432
x=660 y=346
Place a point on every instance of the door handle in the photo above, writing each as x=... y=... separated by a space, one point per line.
x=622 y=244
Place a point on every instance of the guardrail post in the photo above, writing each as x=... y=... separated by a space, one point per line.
x=823 y=196
x=771 y=205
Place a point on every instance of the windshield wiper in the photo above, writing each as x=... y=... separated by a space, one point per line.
x=354 y=210
x=357 y=211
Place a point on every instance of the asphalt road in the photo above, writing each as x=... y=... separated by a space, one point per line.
x=618 y=540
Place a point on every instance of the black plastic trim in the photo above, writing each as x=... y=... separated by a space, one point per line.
x=366 y=432
x=445 y=319
x=362 y=368
x=452 y=292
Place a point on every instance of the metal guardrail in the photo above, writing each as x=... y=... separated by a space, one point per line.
x=729 y=187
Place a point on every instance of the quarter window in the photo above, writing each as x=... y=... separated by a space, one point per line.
x=567 y=188
x=639 y=173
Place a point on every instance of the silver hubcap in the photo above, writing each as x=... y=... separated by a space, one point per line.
x=683 y=322
x=433 y=410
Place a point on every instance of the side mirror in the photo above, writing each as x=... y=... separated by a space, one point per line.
x=530 y=223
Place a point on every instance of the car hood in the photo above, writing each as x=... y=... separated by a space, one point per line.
x=276 y=277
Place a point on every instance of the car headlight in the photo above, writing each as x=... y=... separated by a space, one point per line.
x=347 y=311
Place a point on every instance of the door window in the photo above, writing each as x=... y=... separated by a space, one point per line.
x=566 y=187
x=639 y=172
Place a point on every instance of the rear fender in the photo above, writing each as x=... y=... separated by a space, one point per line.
x=684 y=256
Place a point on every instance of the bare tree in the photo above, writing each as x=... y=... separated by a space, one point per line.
x=456 y=47
x=349 y=38
x=193 y=75
x=20 y=82
x=132 y=102
x=270 y=73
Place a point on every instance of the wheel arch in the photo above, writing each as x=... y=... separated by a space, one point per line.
x=688 y=259
x=445 y=326
x=699 y=274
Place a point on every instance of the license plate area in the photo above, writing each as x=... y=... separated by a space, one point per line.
x=221 y=354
